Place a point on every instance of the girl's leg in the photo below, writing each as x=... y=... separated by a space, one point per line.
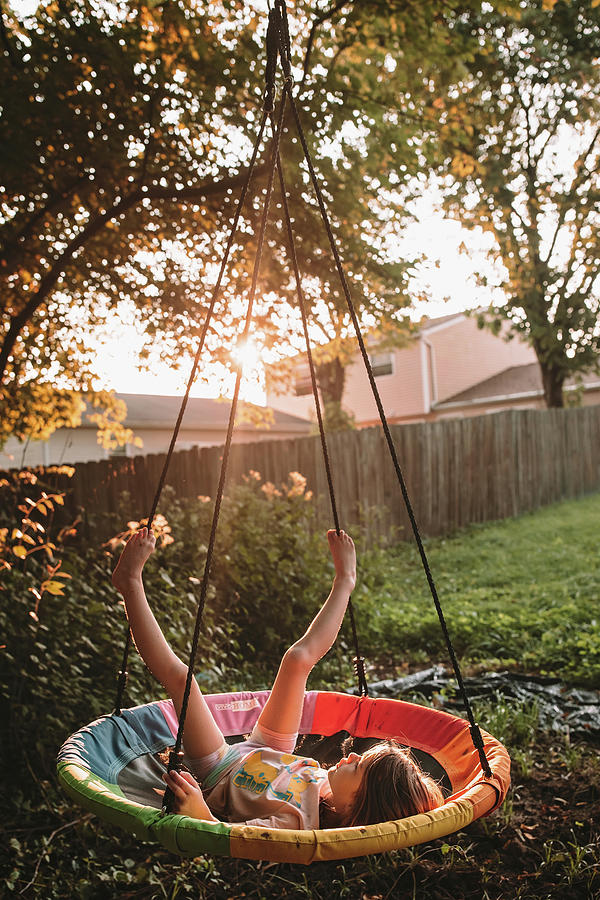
x=202 y=736
x=283 y=709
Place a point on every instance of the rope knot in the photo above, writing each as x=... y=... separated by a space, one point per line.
x=175 y=763
x=271 y=64
x=359 y=668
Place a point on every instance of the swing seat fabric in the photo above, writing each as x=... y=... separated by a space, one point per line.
x=110 y=767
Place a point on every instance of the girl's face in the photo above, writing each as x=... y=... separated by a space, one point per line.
x=344 y=780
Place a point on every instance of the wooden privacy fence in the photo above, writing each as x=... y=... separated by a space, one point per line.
x=457 y=471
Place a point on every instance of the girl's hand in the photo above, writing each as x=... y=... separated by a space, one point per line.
x=189 y=799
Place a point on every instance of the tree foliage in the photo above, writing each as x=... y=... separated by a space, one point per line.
x=521 y=138
x=125 y=135
x=92 y=209
x=377 y=73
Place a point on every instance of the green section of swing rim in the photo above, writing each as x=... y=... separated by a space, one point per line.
x=180 y=834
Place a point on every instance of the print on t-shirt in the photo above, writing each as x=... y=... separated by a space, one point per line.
x=287 y=783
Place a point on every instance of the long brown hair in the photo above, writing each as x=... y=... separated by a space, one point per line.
x=393 y=787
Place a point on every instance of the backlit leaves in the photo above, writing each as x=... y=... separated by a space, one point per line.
x=520 y=137
x=34 y=512
x=123 y=129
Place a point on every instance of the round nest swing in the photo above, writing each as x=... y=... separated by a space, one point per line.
x=112 y=766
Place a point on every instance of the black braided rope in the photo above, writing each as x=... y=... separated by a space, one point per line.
x=175 y=757
x=122 y=676
x=358 y=659
x=285 y=48
x=474 y=728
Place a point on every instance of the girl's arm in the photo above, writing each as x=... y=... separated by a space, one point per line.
x=283 y=709
x=324 y=628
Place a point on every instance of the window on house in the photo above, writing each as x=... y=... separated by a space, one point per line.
x=117 y=452
x=382 y=363
x=303 y=384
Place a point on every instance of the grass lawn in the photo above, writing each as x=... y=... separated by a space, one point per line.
x=523 y=593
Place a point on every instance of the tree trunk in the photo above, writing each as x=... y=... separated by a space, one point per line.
x=331 y=376
x=553 y=380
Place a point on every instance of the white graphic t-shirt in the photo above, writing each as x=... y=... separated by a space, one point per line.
x=257 y=785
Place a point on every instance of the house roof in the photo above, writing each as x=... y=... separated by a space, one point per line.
x=160 y=412
x=517 y=381
x=426 y=324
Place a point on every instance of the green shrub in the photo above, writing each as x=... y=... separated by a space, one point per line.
x=269 y=574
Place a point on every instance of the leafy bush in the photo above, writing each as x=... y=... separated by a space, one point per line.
x=58 y=666
x=271 y=567
x=270 y=571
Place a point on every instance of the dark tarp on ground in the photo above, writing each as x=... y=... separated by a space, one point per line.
x=570 y=710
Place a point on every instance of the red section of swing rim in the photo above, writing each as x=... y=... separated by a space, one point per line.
x=443 y=736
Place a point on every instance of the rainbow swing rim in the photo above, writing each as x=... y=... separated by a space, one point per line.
x=90 y=761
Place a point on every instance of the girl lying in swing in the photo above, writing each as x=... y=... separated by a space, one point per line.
x=260 y=781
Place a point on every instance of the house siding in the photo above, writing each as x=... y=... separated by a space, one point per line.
x=530 y=400
x=79 y=445
x=444 y=359
x=465 y=354
x=402 y=392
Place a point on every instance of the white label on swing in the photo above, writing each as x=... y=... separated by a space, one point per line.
x=239 y=705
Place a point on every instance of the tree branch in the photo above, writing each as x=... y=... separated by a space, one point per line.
x=92 y=228
x=5 y=40
x=320 y=20
x=27 y=228
x=565 y=298
x=551 y=131
x=529 y=171
x=577 y=181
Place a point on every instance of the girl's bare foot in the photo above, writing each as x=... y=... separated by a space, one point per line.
x=135 y=553
x=344 y=555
